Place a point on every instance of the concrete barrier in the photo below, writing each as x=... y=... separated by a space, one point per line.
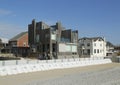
x=25 y=66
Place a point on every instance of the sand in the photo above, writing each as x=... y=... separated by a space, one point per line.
x=27 y=78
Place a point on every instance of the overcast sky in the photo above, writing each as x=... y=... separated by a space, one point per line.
x=92 y=18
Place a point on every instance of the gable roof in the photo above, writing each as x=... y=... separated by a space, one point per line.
x=92 y=38
x=97 y=38
x=15 y=38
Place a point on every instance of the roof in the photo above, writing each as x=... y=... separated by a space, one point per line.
x=109 y=44
x=15 y=38
x=92 y=38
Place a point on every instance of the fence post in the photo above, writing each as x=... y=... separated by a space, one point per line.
x=16 y=62
x=68 y=59
x=54 y=60
x=3 y=63
x=79 y=58
x=46 y=61
x=27 y=61
x=62 y=60
x=37 y=61
x=73 y=58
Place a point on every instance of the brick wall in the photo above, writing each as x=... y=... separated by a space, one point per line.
x=23 y=41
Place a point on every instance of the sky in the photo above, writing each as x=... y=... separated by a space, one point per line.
x=92 y=18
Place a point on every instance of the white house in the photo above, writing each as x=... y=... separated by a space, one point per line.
x=92 y=47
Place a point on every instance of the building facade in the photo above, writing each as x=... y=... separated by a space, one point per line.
x=109 y=49
x=19 y=44
x=54 y=40
x=92 y=47
x=4 y=45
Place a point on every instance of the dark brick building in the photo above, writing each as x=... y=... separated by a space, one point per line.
x=19 y=44
x=54 y=40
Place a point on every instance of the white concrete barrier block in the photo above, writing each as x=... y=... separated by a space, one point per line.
x=3 y=71
x=50 y=64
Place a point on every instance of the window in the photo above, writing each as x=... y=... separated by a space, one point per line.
x=88 y=44
x=82 y=44
x=38 y=48
x=88 y=51
x=101 y=45
x=94 y=50
x=94 y=44
x=37 y=38
x=83 y=51
x=97 y=50
x=65 y=39
x=47 y=36
x=24 y=44
x=43 y=27
x=14 y=44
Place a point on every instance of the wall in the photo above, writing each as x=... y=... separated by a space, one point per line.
x=23 y=41
x=83 y=46
x=67 y=47
x=25 y=66
x=101 y=46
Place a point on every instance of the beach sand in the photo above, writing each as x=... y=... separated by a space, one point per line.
x=26 y=78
